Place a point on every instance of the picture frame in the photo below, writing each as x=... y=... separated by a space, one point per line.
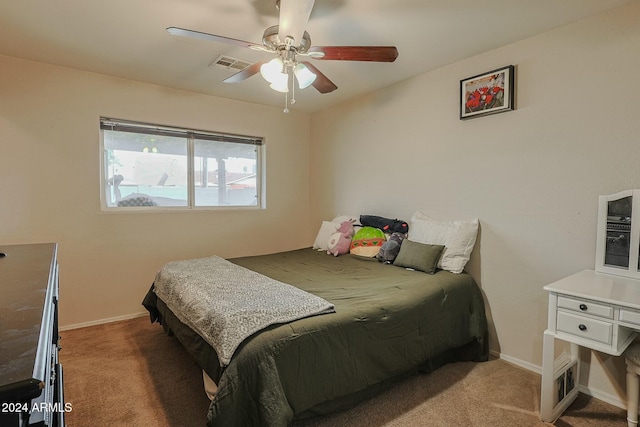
x=488 y=93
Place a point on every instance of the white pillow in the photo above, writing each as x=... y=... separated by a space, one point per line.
x=322 y=238
x=458 y=238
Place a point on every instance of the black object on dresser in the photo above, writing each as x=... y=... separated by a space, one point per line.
x=31 y=388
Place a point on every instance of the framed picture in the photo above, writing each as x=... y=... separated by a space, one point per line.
x=488 y=93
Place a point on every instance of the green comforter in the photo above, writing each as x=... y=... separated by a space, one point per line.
x=389 y=322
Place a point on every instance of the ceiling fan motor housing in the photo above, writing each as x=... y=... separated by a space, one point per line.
x=271 y=41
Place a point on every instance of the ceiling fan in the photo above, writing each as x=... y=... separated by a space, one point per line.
x=289 y=41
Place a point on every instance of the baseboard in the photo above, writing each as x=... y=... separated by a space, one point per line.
x=595 y=393
x=103 y=321
x=521 y=363
x=605 y=397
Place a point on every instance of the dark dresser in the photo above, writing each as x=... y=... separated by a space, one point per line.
x=31 y=388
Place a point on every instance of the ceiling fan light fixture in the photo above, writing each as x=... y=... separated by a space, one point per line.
x=304 y=76
x=272 y=70
x=282 y=85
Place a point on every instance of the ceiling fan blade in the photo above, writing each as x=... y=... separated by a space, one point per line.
x=245 y=73
x=294 y=15
x=355 y=53
x=322 y=82
x=210 y=37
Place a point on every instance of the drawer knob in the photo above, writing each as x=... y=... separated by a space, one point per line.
x=583 y=307
x=582 y=327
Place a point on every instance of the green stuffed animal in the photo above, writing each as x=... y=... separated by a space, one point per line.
x=367 y=242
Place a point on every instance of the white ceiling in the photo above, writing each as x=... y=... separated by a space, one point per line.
x=127 y=38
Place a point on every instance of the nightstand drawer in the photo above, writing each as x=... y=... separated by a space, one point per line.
x=584 y=327
x=585 y=306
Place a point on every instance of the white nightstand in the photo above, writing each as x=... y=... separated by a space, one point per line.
x=589 y=309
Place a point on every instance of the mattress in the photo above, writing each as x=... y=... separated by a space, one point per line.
x=389 y=322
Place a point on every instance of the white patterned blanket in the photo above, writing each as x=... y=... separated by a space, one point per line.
x=226 y=303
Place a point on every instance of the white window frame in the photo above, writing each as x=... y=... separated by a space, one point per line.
x=190 y=136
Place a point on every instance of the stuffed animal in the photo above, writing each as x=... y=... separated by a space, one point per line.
x=340 y=241
x=385 y=224
x=367 y=242
x=390 y=249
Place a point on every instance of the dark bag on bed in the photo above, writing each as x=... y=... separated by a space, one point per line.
x=385 y=224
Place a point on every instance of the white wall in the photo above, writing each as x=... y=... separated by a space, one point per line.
x=49 y=181
x=532 y=176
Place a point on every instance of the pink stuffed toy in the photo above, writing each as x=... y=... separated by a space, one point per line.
x=340 y=241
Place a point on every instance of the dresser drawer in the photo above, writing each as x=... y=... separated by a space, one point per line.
x=586 y=306
x=630 y=316
x=584 y=327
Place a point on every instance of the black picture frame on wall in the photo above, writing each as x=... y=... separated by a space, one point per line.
x=488 y=93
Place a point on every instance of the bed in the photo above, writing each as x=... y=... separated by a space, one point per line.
x=389 y=322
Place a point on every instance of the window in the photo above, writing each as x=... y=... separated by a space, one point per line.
x=151 y=166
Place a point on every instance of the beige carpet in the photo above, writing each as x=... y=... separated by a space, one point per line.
x=130 y=373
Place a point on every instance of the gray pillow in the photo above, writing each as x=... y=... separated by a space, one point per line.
x=419 y=256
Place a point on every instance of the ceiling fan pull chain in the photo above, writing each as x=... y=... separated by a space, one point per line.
x=293 y=89
x=286 y=102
